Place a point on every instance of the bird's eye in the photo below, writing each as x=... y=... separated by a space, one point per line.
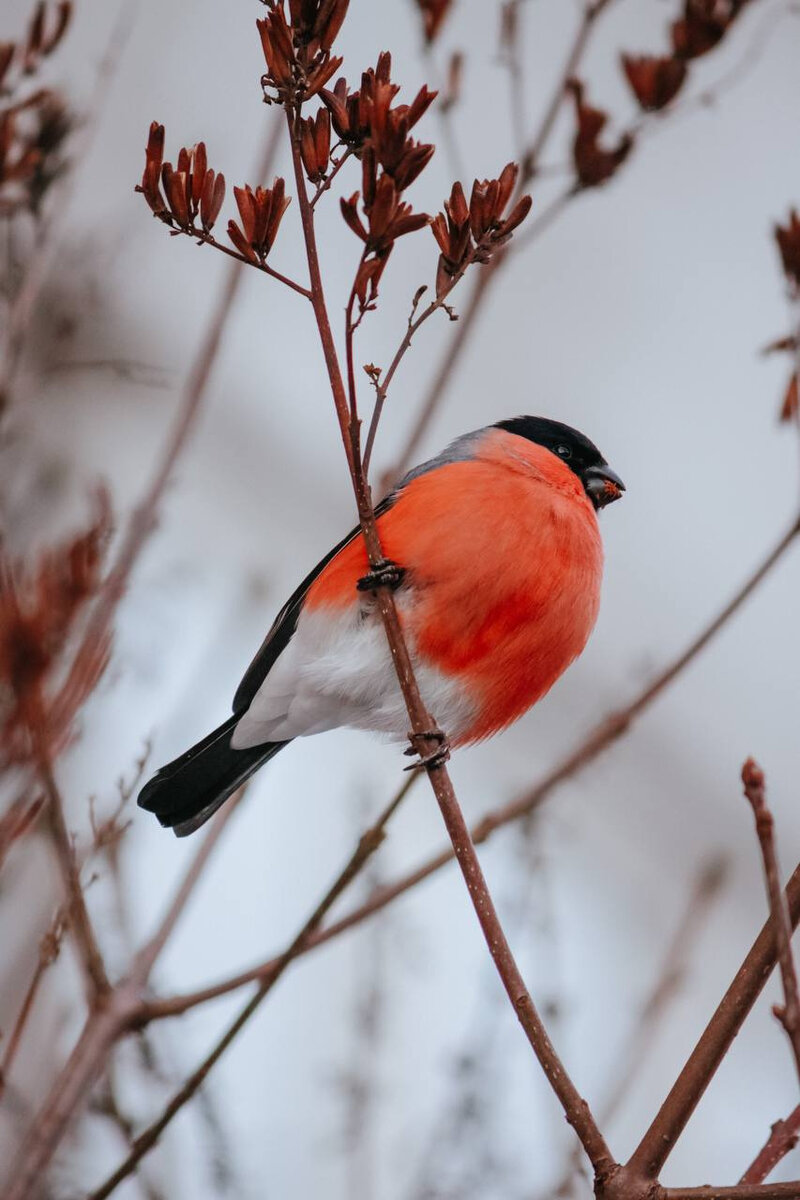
x=563 y=451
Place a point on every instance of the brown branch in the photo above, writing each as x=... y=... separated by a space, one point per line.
x=597 y=742
x=715 y=1041
x=413 y=324
x=328 y=180
x=97 y=983
x=769 y=1191
x=789 y=1014
x=426 y=739
x=783 y=1138
x=367 y=845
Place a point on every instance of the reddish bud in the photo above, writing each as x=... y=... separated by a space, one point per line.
x=788 y=239
x=654 y=81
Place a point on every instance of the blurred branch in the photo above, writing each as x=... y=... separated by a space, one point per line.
x=789 y=1014
x=600 y=738
x=367 y=845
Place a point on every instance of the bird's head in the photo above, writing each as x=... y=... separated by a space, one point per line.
x=602 y=485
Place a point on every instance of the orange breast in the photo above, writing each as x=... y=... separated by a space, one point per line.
x=505 y=561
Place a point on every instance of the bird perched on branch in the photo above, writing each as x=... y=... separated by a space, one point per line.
x=495 y=556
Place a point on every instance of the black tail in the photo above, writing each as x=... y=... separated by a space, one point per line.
x=186 y=792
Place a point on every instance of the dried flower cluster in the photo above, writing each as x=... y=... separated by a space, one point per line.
x=33 y=128
x=261 y=212
x=191 y=189
x=471 y=233
x=38 y=612
x=298 y=49
x=377 y=131
x=656 y=79
x=594 y=163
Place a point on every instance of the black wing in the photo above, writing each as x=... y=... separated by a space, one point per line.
x=285 y=623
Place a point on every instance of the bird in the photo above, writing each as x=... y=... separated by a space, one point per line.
x=494 y=554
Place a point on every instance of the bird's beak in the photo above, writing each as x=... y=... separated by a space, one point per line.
x=603 y=486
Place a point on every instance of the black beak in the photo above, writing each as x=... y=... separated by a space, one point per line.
x=603 y=486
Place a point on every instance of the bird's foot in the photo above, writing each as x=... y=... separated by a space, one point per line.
x=385 y=574
x=434 y=758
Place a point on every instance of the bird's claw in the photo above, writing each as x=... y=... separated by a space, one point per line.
x=385 y=574
x=435 y=758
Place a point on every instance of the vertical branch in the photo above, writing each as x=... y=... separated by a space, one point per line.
x=426 y=738
x=789 y=1014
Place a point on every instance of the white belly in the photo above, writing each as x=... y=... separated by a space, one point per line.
x=337 y=671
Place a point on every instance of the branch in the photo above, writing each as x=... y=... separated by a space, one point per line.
x=770 y=1191
x=328 y=180
x=367 y=845
x=382 y=388
x=783 y=1138
x=426 y=739
x=789 y=1015
x=715 y=1041
x=597 y=742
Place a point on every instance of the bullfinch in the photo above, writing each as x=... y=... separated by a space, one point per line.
x=496 y=561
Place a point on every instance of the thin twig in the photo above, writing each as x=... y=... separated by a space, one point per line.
x=367 y=845
x=769 y=1191
x=328 y=180
x=597 y=742
x=789 y=1014
x=782 y=1139
x=413 y=324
